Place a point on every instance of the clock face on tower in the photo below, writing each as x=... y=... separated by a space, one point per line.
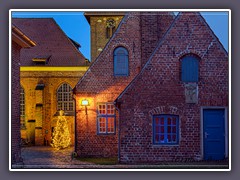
x=110 y=23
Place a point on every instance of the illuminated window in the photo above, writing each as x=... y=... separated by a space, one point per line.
x=121 y=62
x=64 y=98
x=106 y=118
x=165 y=129
x=22 y=108
x=189 y=68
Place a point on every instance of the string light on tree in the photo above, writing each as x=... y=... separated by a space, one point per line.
x=61 y=136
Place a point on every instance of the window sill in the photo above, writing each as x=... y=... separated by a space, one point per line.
x=161 y=145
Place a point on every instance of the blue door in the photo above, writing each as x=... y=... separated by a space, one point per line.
x=213 y=134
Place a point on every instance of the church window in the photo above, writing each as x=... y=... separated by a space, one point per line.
x=121 y=62
x=64 y=98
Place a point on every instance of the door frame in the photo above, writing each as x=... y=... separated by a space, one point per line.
x=226 y=128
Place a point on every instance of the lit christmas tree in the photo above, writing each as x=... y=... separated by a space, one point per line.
x=61 y=136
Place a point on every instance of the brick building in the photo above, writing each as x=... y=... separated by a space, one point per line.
x=158 y=91
x=19 y=40
x=48 y=73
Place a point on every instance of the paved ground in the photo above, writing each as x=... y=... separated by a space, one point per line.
x=43 y=157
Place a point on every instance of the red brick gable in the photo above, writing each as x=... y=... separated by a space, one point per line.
x=139 y=32
x=51 y=42
x=100 y=75
x=158 y=90
x=195 y=36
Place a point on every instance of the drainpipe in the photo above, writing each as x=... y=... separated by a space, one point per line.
x=115 y=104
x=75 y=121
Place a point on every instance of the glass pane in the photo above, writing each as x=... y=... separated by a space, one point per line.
x=162 y=138
x=169 y=129
x=162 y=129
x=111 y=125
x=174 y=121
x=174 y=138
x=169 y=121
x=157 y=121
x=174 y=129
x=102 y=124
x=162 y=121
x=169 y=139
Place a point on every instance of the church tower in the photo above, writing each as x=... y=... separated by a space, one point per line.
x=103 y=25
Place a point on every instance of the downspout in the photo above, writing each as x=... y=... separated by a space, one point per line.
x=115 y=104
x=75 y=122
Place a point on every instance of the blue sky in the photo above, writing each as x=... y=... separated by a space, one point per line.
x=77 y=28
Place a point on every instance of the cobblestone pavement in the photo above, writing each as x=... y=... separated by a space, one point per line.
x=46 y=157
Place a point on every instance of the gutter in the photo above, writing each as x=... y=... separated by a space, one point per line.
x=23 y=36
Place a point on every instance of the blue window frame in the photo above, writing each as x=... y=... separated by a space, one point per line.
x=121 y=62
x=106 y=117
x=189 y=68
x=165 y=129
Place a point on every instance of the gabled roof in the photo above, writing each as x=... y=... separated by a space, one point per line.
x=51 y=42
x=162 y=40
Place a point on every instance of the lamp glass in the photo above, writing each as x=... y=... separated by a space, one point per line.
x=85 y=102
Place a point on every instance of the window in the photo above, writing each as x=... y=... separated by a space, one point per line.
x=106 y=118
x=189 y=66
x=64 y=98
x=110 y=24
x=22 y=108
x=165 y=129
x=120 y=62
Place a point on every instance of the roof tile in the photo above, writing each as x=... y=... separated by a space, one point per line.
x=50 y=41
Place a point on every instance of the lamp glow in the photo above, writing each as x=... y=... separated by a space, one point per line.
x=85 y=102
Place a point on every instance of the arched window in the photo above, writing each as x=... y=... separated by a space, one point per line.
x=121 y=62
x=189 y=68
x=64 y=98
x=22 y=107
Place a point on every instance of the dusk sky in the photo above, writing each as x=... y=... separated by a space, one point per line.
x=77 y=28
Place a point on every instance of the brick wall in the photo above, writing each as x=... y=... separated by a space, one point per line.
x=153 y=27
x=15 y=111
x=100 y=85
x=159 y=90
